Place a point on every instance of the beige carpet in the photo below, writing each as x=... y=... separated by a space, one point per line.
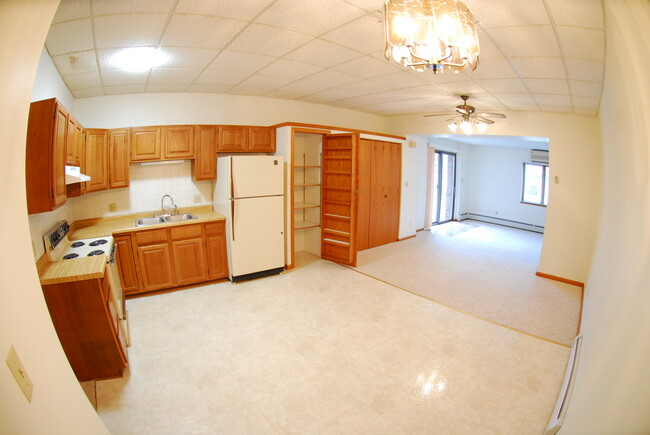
x=484 y=270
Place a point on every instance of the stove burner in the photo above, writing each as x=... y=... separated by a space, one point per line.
x=70 y=256
x=77 y=244
x=96 y=252
x=98 y=242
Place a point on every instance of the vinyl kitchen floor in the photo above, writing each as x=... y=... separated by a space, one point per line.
x=324 y=349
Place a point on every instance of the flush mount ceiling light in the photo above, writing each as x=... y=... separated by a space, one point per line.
x=431 y=34
x=468 y=120
x=138 y=59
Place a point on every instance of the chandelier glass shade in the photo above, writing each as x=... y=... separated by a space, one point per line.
x=431 y=34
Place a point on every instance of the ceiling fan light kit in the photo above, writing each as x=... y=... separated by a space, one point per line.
x=435 y=35
x=468 y=120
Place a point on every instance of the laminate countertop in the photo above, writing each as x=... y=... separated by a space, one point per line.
x=115 y=225
x=57 y=272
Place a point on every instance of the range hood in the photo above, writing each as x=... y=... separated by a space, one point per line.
x=73 y=175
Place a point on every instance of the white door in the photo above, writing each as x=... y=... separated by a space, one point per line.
x=257 y=236
x=257 y=176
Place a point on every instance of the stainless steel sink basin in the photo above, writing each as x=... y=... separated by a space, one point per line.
x=143 y=222
x=179 y=217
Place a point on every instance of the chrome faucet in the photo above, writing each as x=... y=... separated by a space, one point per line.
x=173 y=207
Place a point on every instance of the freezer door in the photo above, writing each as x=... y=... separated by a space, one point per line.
x=257 y=176
x=257 y=235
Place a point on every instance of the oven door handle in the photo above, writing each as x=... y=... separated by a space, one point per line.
x=111 y=258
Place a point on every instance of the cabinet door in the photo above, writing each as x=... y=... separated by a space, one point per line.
x=232 y=139
x=118 y=158
x=59 y=157
x=77 y=189
x=178 y=142
x=261 y=140
x=71 y=143
x=126 y=264
x=145 y=144
x=385 y=174
x=155 y=266
x=189 y=261
x=216 y=250
x=204 y=166
x=96 y=159
x=363 y=206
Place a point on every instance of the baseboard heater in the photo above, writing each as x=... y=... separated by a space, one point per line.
x=504 y=222
x=557 y=418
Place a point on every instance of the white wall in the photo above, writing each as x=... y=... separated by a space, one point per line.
x=49 y=84
x=59 y=405
x=572 y=216
x=495 y=185
x=612 y=390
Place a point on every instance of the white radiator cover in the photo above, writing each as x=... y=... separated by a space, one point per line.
x=557 y=418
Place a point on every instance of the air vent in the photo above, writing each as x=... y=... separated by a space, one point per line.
x=539 y=156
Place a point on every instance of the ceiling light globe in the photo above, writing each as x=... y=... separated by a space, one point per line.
x=138 y=59
x=453 y=127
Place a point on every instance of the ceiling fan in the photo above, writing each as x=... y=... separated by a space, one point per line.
x=467 y=118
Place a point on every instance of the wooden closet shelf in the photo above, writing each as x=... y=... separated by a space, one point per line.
x=303 y=205
x=301 y=225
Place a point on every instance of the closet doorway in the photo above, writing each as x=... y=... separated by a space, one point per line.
x=442 y=186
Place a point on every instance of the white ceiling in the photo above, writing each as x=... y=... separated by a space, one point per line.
x=536 y=55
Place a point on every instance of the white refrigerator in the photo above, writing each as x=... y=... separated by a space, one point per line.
x=249 y=191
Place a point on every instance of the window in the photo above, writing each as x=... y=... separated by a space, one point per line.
x=535 y=185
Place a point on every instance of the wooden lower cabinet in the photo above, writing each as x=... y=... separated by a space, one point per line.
x=86 y=321
x=189 y=261
x=126 y=264
x=215 y=242
x=155 y=266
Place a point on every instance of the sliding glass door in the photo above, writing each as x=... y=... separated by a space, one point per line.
x=443 y=175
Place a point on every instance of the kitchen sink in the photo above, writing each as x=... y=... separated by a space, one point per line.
x=179 y=217
x=143 y=222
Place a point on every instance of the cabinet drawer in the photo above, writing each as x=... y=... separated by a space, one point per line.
x=153 y=236
x=186 y=232
x=215 y=228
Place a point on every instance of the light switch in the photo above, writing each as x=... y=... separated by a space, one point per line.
x=19 y=373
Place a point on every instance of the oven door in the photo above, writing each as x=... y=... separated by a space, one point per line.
x=114 y=277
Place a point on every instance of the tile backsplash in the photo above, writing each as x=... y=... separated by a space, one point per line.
x=148 y=185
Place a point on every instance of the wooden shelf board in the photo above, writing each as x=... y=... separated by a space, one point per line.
x=305 y=185
x=305 y=166
x=301 y=225
x=302 y=205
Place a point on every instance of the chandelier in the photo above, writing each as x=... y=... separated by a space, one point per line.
x=467 y=125
x=431 y=34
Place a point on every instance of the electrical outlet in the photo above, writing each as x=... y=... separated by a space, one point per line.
x=19 y=373
x=112 y=206
x=197 y=199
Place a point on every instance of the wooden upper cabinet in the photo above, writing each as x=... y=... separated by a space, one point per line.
x=118 y=158
x=96 y=159
x=178 y=142
x=46 y=156
x=204 y=167
x=145 y=144
x=72 y=147
x=261 y=140
x=232 y=139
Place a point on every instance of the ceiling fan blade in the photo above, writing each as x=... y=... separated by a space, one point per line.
x=484 y=120
x=439 y=114
x=492 y=115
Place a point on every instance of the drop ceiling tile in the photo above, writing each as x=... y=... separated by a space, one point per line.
x=129 y=30
x=365 y=100
x=266 y=40
x=586 y=102
x=285 y=95
x=368 y=34
x=539 y=67
x=583 y=13
x=548 y=86
x=173 y=75
x=82 y=80
x=364 y=87
x=398 y=80
x=201 y=31
x=253 y=92
x=167 y=87
x=327 y=96
x=290 y=69
x=586 y=89
x=438 y=78
x=312 y=17
x=69 y=37
x=261 y=81
x=118 y=77
x=224 y=78
x=322 y=53
x=556 y=109
x=72 y=10
x=330 y=78
x=486 y=103
x=189 y=57
x=112 y=7
x=87 y=93
x=526 y=41
x=203 y=88
x=552 y=100
x=83 y=61
x=369 y=6
x=124 y=89
x=304 y=87
x=366 y=67
x=238 y=61
x=488 y=49
x=462 y=88
x=584 y=111
x=517 y=101
x=493 y=68
x=224 y=8
x=582 y=43
x=507 y=13
x=587 y=70
x=504 y=86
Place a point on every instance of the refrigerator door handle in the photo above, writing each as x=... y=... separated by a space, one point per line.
x=232 y=220
x=232 y=181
